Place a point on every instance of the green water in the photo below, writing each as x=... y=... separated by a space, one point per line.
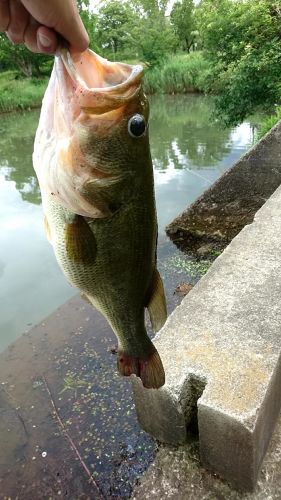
x=189 y=154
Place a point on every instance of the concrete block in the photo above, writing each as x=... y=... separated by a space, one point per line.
x=221 y=353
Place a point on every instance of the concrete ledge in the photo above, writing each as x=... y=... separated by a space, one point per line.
x=221 y=352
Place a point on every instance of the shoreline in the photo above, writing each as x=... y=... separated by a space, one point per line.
x=20 y=110
x=38 y=106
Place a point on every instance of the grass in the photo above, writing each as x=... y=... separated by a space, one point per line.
x=178 y=75
x=19 y=94
x=269 y=122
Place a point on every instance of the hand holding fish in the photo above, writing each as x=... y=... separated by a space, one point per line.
x=39 y=24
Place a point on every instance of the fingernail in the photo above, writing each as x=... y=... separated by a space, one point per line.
x=44 y=40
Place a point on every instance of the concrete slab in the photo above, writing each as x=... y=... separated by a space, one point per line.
x=221 y=352
x=176 y=474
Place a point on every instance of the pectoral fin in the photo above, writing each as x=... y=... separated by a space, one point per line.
x=156 y=303
x=80 y=242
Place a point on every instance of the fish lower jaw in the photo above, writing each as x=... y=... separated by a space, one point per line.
x=148 y=368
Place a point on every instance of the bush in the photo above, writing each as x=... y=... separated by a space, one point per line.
x=269 y=122
x=242 y=40
x=180 y=74
x=20 y=94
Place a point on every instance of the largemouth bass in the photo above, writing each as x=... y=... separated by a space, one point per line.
x=93 y=163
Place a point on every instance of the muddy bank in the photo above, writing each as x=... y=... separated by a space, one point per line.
x=231 y=203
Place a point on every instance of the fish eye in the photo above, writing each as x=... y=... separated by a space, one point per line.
x=137 y=126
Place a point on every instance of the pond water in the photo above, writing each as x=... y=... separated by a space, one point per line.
x=189 y=154
x=65 y=368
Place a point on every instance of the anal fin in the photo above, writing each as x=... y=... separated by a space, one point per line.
x=47 y=229
x=80 y=241
x=85 y=297
x=156 y=303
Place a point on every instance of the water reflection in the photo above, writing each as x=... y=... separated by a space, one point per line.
x=16 y=145
x=31 y=284
x=189 y=154
x=189 y=151
x=183 y=134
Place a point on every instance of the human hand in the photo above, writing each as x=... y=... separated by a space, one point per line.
x=40 y=23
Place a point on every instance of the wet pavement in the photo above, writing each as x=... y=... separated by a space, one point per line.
x=60 y=394
x=68 y=422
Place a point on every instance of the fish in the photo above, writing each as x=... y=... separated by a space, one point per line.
x=93 y=163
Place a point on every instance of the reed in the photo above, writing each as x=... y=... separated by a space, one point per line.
x=179 y=75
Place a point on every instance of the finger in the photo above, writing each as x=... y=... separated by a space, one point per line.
x=63 y=17
x=47 y=40
x=4 y=15
x=73 y=30
x=30 y=35
x=18 y=21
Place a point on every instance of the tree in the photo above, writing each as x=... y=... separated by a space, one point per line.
x=147 y=8
x=182 y=19
x=19 y=58
x=153 y=39
x=152 y=36
x=90 y=21
x=243 y=41
x=113 y=25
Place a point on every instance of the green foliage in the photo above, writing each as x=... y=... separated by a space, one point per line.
x=114 y=23
x=179 y=74
x=153 y=39
x=269 y=122
x=242 y=39
x=152 y=36
x=148 y=8
x=19 y=58
x=140 y=31
x=90 y=21
x=182 y=19
x=20 y=94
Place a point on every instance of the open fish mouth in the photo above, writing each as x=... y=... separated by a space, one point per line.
x=99 y=84
x=84 y=119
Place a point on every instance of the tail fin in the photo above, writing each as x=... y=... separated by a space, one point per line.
x=148 y=368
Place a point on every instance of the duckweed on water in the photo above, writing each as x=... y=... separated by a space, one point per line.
x=194 y=268
x=72 y=383
x=97 y=409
